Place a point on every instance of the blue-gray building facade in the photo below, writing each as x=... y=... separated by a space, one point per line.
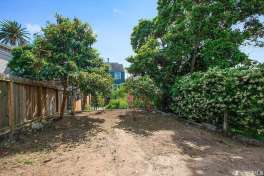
x=118 y=73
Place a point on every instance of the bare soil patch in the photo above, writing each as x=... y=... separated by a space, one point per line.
x=129 y=143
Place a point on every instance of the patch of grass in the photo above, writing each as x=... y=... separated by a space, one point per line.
x=25 y=161
x=117 y=104
x=88 y=108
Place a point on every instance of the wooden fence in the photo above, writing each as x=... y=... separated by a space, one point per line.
x=23 y=101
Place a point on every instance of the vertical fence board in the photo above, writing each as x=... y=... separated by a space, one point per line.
x=3 y=105
x=39 y=95
x=23 y=100
x=35 y=103
x=11 y=117
x=27 y=91
x=20 y=102
x=16 y=104
x=23 y=104
x=45 y=101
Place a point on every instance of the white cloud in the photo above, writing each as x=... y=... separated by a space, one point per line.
x=33 y=28
x=118 y=12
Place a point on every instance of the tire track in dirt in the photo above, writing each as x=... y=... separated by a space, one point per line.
x=127 y=156
x=140 y=155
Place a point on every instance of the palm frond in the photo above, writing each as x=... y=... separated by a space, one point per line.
x=11 y=32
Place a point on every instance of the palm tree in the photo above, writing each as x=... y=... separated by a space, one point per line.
x=11 y=32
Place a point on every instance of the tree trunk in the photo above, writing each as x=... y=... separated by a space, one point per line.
x=64 y=99
x=194 y=56
x=193 y=64
x=165 y=102
x=73 y=107
x=225 y=123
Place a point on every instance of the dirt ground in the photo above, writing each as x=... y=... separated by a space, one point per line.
x=126 y=143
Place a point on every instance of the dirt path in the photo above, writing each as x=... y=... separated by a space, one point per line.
x=125 y=143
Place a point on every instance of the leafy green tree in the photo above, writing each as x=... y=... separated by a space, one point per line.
x=188 y=36
x=25 y=64
x=143 y=89
x=93 y=83
x=141 y=33
x=64 y=52
x=11 y=32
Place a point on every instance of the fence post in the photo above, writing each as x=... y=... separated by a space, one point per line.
x=11 y=107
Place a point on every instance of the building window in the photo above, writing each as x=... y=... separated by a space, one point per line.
x=117 y=75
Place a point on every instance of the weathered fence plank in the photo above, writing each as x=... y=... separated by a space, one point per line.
x=11 y=106
x=3 y=105
x=23 y=101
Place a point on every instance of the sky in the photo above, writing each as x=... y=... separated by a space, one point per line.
x=111 y=20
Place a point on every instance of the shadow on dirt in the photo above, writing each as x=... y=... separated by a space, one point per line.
x=209 y=153
x=70 y=131
x=140 y=123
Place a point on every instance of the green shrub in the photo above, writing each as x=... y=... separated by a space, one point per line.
x=123 y=104
x=113 y=104
x=204 y=97
x=119 y=93
x=117 y=104
x=88 y=108
x=118 y=99
x=144 y=91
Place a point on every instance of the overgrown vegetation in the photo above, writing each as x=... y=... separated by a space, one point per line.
x=188 y=36
x=190 y=51
x=118 y=99
x=144 y=91
x=239 y=92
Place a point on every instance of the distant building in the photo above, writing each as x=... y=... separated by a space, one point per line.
x=118 y=72
x=5 y=57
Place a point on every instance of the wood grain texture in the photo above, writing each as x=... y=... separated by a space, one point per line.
x=4 y=105
x=23 y=101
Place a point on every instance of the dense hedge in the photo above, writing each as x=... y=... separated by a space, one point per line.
x=205 y=97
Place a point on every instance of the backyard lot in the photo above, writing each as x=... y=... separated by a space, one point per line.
x=126 y=143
